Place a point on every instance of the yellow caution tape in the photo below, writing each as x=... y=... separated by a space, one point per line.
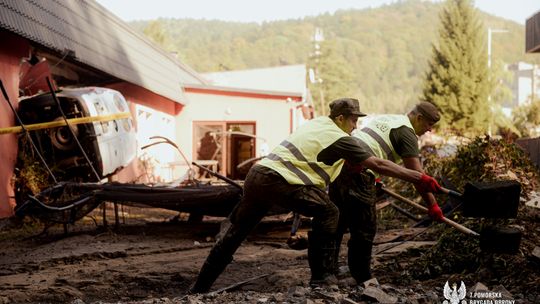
x=61 y=123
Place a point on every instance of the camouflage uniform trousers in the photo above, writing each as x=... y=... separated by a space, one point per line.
x=264 y=189
x=355 y=196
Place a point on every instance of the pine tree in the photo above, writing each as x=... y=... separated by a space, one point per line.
x=457 y=80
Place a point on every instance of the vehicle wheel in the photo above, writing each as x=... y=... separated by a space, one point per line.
x=62 y=138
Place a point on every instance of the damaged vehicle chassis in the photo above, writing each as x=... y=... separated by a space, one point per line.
x=88 y=135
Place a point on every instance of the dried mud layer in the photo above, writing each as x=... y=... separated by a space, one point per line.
x=139 y=260
x=151 y=259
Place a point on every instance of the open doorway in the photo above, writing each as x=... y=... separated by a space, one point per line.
x=242 y=148
x=225 y=146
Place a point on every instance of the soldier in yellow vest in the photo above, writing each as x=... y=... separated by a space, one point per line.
x=392 y=137
x=295 y=176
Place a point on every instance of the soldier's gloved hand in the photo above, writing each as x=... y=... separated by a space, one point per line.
x=378 y=186
x=428 y=184
x=435 y=212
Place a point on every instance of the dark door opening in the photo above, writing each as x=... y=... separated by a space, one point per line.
x=242 y=149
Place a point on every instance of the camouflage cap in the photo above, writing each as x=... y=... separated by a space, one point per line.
x=345 y=106
x=429 y=111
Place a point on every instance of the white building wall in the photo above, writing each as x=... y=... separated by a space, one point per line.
x=524 y=90
x=526 y=81
x=271 y=116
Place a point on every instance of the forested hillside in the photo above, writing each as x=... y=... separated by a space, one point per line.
x=383 y=52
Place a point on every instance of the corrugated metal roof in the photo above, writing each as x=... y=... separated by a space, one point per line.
x=99 y=39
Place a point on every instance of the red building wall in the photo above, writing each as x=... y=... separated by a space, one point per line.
x=12 y=49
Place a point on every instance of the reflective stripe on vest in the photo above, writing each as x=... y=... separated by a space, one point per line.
x=296 y=158
x=313 y=165
x=386 y=148
x=376 y=135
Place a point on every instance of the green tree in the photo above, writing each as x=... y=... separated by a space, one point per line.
x=156 y=32
x=501 y=94
x=389 y=59
x=527 y=118
x=334 y=78
x=457 y=80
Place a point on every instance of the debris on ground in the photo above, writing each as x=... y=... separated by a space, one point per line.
x=458 y=257
x=153 y=259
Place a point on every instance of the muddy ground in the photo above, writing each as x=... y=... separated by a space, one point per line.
x=153 y=257
x=144 y=258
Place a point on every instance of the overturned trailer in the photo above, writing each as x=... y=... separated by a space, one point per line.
x=88 y=135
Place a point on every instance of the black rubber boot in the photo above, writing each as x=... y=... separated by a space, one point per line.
x=337 y=246
x=359 y=259
x=208 y=275
x=321 y=251
x=360 y=268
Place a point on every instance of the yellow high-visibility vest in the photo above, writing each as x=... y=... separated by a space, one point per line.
x=296 y=157
x=376 y=134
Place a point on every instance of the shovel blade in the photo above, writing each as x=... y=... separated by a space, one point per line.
x=500 y=239
x=498 y=199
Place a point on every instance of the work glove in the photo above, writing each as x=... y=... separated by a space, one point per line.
x=435 y=212
x=378 y=186
x=428 y=184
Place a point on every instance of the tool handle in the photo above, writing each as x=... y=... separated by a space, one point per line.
x=451 y=192
x=297 y=220
x=459 y=227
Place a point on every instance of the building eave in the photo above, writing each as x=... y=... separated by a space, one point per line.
x=240 y=92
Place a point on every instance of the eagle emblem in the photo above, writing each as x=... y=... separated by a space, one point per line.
x=382 y=126
x=454 y=296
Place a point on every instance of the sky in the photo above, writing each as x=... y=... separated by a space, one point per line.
x=271 y=10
